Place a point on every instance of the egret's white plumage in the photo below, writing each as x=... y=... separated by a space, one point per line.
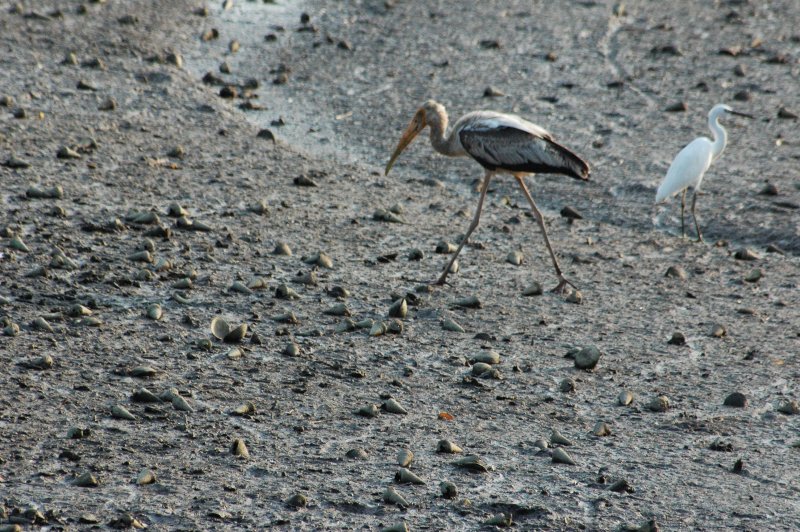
x=500 y=143
x=692 y=162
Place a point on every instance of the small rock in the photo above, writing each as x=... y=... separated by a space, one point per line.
x=789 y=407
x=393 y=407
x=659 y=404
x=754 y=276
x=587 y=358
x=678 y=338
x=571 y=213
x=746 y=254
x=677 y=107
x=736 y=400
x=404 y=457
x=448 y=490
x=448 y=447
x=404 y=476
x=492 y=92
x=399 y=309
x=601 y=429
x=575 y=297
x=120 y=412
x=625 y=398
x=718 y=331
x=677 y=272
x=560 y=456
x=515 y=258
x=392 y=497
x=298 y=500
x=567 y=385
x=86 y=480
x=238 y=448
x=534 y=289
x=145 y=477
x=450 y=325
x=556 y=438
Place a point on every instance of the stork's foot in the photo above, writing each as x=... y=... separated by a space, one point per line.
x=441 y=281
x=562 y=286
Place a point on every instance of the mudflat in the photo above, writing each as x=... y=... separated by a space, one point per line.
x=215 y=305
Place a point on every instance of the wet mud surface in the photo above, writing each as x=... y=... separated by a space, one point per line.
x=168 y=196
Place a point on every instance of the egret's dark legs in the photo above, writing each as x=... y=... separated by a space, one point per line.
x=475 y=220
x=683 y=208
x=696 y=226
x=540 y=220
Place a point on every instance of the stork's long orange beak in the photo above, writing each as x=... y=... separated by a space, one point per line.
x=416 y=125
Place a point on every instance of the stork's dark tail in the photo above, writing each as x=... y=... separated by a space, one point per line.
x=571 y=164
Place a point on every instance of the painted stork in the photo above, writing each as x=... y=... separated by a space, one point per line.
x=692 y=163
x=501 y=143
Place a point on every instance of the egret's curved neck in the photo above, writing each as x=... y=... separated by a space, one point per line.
x=440 y=140
x=720 y=136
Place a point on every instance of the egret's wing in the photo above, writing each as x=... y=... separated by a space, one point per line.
x=687 y=169
x=497 y=143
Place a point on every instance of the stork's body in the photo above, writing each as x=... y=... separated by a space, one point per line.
x=501 y=143
x=692 y=162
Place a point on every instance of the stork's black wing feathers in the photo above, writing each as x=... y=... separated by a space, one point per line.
x=514 y=150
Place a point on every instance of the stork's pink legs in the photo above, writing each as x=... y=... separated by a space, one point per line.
x=475 y=220
x=563 y=282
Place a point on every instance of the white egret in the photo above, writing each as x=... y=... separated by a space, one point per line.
x=501 y=143
x=692 y=163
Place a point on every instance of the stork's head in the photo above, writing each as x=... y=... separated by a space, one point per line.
x=429 y=111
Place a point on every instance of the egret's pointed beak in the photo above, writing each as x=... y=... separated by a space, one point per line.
x=416 y=125
x=737 y=113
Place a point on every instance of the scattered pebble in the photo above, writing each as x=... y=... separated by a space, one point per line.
x=678 y=338
x=238 y=448
x=451 y=325
x=575 y=297
x=789 y=407
x=625 y=398
x=718 y=331
x=448 y=490
x=556 y=438
x=368 y=411
x=357 y=454
x=567 y=385
x=587 y=358
x=404 y=457
x=500 y=521
x=86 y=480
x=659 y=404
x=746 y=254
x=298 y=500
x=399 y=309
x=514 y=257
x=468 y=302
x=754 y=276
x=404 y=476
x=677 y=272
x=447 y=446
x=736 y=399
x=393 y=407
x=534 y=289
x=146 y=476
x=472 y=462
x=560 y=456
x=601 y=429
x=392 y=497
x=120 y=412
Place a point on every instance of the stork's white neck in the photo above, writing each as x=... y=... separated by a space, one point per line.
x=444 y=142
